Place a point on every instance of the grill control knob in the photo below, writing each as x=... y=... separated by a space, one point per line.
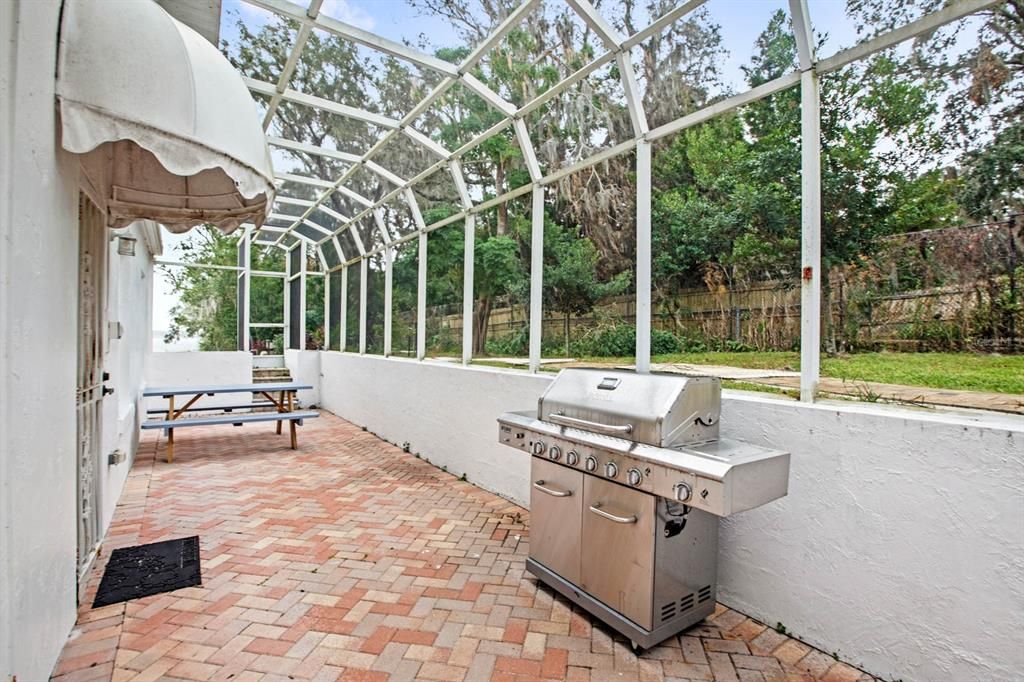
x=539 y=447
x=682 y=492
x=591 y=463
x=554 y=452
x=611 y=470
x=634 y=476
x=572 y=458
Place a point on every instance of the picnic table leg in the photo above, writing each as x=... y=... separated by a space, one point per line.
x=291 y=422
x=170 y=432
x=280 y=403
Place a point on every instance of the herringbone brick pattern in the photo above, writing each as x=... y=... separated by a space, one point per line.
x=352 y=560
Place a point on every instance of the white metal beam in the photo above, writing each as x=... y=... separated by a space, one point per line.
x=802 y=32
x=526 y=147
x=389 y=261
x=469 y=246
x=810 y=234
x=495 y=36
x=536 y=277
x=347 y=157
x=643 y=257
x=634 y=100
x=302 y=295
x=609 y=36
x=293 y=59
x=296 y=97
x=421 y=298
x=363 y=276
x=357 y=35
x=955 y=10
x=246 y=277
x=343 y=318
x=382 y=230
x=327 y=310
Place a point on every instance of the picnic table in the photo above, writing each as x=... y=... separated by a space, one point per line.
x=284 y=402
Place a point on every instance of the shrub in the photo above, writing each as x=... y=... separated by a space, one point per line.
x=620 y=340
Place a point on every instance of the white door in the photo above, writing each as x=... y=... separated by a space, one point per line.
x=92 y=261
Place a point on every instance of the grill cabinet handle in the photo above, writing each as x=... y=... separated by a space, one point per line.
x=543 y=487
x=596 y=508
x=597 y=427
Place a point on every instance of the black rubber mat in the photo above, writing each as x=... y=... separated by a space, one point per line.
x=140 y=571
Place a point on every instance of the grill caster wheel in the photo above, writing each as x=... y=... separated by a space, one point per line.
x=637 y=649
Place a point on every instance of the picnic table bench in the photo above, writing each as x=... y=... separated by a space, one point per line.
x=284 y=403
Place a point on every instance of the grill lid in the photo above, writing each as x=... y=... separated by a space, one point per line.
x=665 y=410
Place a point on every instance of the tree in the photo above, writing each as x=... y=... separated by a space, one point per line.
x=571 y=283
x=207 y=305
x=982 y=92
x=727 y=193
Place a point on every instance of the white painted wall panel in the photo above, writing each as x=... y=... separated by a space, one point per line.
x=448 y=417
x=304 y=366
x=38 y=350
x=200 y=369
x=899 y=545
x=129 y=302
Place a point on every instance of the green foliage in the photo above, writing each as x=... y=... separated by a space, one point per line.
x=727 y=193
x=992 y=182
x=620 y=341
x=206 y=306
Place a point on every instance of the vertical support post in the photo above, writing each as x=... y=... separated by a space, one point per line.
x=327 y=310
x=287 y=300
x=810 y=234
x=421 y=299
x=389 y=260
x=536 y=277
x=302 y=295
x=643 y=257
x=246 y=303
x=469 y=246
x=343 y=322
x=363 y=272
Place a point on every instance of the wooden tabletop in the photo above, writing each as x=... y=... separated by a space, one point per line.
x=156 y=391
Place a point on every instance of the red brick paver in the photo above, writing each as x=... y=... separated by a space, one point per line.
x=352 y=560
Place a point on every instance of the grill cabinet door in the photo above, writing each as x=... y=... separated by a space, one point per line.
x=618 y=548
x=556 y=505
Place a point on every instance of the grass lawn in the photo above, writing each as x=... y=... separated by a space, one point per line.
x=961 y=371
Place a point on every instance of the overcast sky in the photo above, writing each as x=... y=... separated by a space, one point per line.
x=741 y=21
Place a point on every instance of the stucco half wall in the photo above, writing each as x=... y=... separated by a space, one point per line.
x=900 y=546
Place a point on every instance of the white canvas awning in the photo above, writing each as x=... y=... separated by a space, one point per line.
x=170 y=130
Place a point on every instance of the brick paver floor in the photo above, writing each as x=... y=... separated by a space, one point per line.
x=350 y=559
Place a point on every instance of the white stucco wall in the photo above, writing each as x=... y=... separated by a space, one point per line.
x=899 y=546
x=129 y=302
x=304 y=366
x=200 y=368
x=38 y=349
x=446 y=413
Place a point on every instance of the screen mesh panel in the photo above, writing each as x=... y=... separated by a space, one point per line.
x=295 y=314
x=335 y=310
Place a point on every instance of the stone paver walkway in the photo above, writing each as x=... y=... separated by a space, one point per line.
x=352 y=560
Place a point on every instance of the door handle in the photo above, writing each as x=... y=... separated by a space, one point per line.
x=542 y=486
x=596 y=508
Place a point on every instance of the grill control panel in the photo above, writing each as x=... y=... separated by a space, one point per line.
x=681 y=486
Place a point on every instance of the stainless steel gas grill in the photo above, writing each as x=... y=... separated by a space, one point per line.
x=629 y=476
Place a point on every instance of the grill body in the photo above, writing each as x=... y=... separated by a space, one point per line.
x=628 y=481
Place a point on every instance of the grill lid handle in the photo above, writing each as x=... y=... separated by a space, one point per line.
x=597 y=427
